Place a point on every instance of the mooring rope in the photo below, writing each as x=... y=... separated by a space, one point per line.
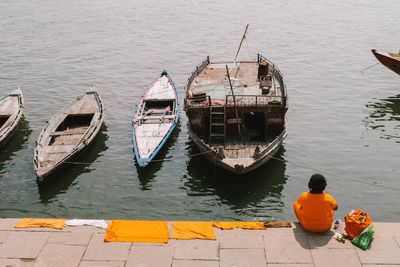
x=336 y=175
x=154 y=160
x=369 y=67
x=272 y=157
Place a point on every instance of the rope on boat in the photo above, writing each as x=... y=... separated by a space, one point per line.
x=190 y=156
x=370 y=66
x=275 y=158
x=154 y=160
x=371 y=83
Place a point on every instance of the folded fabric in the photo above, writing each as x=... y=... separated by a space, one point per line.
x=137 y=231
x=35 y=222
x=192 y=230
x=277 y=224
x=243 y=225
x=78 y=222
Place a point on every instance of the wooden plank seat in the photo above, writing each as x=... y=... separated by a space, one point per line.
x=147 y=117
x=66 y=133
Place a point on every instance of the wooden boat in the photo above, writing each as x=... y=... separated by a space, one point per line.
x=390 y=60
x=68 y=132
x=155 y=118
x=237 y=112
x=11 y=110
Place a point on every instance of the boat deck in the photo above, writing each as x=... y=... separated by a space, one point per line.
x=213 y=82
x=85 y=105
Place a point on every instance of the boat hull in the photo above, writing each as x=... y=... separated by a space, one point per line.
x=15 y=109
x=58 y=144
x=388 y=61
x=150 y=128
x=237 y=123
x=212 y=155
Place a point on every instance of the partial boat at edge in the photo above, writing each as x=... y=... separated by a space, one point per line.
x=11 y=110
x=390 y=60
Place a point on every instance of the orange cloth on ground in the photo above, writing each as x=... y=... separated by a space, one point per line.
x=137 y=231
x=34 y=222
x=315 y=211
x=243 y=225
x=192 y=230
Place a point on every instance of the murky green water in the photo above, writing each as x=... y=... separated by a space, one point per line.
x=342 y=122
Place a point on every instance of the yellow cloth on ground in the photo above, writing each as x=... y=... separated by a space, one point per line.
x=192 y=230
x=137 y=231
x=34 y=222
x=243 y=225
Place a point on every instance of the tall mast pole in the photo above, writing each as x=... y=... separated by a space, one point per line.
x=241 y=42
x=234 y=101
x=238 y=51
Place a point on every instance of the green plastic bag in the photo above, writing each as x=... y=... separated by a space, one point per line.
x=363 y=239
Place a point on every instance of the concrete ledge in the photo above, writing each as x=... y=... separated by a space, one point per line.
x=276 y=247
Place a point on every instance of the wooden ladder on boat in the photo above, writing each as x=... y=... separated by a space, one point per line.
x=217 y=123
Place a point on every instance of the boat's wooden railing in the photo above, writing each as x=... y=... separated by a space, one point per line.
x=196 y=72
x=278 y=74
x=241 y=101
x=254 y=100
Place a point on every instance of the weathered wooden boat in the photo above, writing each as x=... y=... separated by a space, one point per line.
x=155 y=118
x=68 y=133
x=390 y=60
x=237 y=112
x=11 y=110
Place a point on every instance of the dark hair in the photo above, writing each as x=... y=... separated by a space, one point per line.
x=317 y=183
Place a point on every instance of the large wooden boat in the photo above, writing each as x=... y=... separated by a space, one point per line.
x=11 y=110
x=155 y=118
x=68 y=132
x=390 y=60
x=237 y=112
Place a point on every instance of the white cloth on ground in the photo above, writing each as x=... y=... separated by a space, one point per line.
x=78 y=222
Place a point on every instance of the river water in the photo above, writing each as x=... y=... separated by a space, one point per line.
x=343 y=122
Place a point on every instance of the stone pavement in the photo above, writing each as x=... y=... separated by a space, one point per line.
x=274 y=247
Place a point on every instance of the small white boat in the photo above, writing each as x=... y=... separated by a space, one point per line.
x=11 y=110
x=68 y=132
x=155 y=118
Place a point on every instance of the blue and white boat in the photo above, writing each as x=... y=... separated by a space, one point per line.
x=155 y=118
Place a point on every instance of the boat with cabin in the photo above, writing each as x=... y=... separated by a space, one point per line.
x=68 y=133
x=155 y=118
x=237 y=112
x=11 y=111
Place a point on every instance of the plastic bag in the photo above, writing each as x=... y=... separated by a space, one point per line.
x=364 y=238
x=356 y=222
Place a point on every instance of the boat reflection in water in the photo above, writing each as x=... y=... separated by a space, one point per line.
x=384 y=116
x=147 y=173
x=251 y=195
x=49 y=189
x=17 y=142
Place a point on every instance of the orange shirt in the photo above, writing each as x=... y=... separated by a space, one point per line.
x=315 y=211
